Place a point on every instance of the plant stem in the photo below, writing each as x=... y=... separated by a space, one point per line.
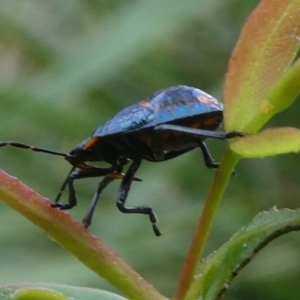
x=221 y=179
x=76 y=239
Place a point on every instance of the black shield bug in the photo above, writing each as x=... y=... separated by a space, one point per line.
x=170 y=123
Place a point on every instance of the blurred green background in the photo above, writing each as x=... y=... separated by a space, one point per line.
x=65 y=68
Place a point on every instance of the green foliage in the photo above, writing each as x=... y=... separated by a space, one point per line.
x=216 y=272
x=53 y=292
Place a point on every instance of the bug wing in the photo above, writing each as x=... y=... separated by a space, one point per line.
x=128 y=119
x=167 y=105
x=181 y=102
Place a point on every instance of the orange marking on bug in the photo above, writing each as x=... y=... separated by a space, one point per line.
x=166 y=135
x=197 y=125
x=91 y=142
x=146 y=138
x=212 y=121
x=207 y=123
x=145 y=103
x=206 y=100
x=116 y=175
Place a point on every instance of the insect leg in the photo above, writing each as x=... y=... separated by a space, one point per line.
x=87 y=220
x=77 y=174
x=158 y=149
x=208 y=159
x=202 y=133
x=123 y=192
x=62 y=189
x=160 y=155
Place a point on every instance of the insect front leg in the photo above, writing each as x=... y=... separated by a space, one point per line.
x=77 y=174
x=122 y=195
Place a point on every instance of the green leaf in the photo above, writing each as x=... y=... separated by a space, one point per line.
x=39 y=291
x=281 y=96
x=268 y=143
x=266 y=48
x=217 y=271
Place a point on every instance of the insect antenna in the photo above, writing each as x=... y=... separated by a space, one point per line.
x=33 y=148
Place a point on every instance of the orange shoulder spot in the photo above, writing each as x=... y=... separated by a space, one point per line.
x=145 y=103
x=91 y=142
x=206 y=100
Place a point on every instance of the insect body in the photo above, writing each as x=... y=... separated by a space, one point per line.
x=171 y=122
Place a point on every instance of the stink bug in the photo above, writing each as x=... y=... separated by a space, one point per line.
x=170 y=123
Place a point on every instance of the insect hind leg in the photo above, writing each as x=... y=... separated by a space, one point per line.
x=208 y=159
x=123 y=192
x=201 y=133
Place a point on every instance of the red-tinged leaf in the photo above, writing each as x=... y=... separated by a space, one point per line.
x=268 y=143
x=76 y=239
x=266 y=48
